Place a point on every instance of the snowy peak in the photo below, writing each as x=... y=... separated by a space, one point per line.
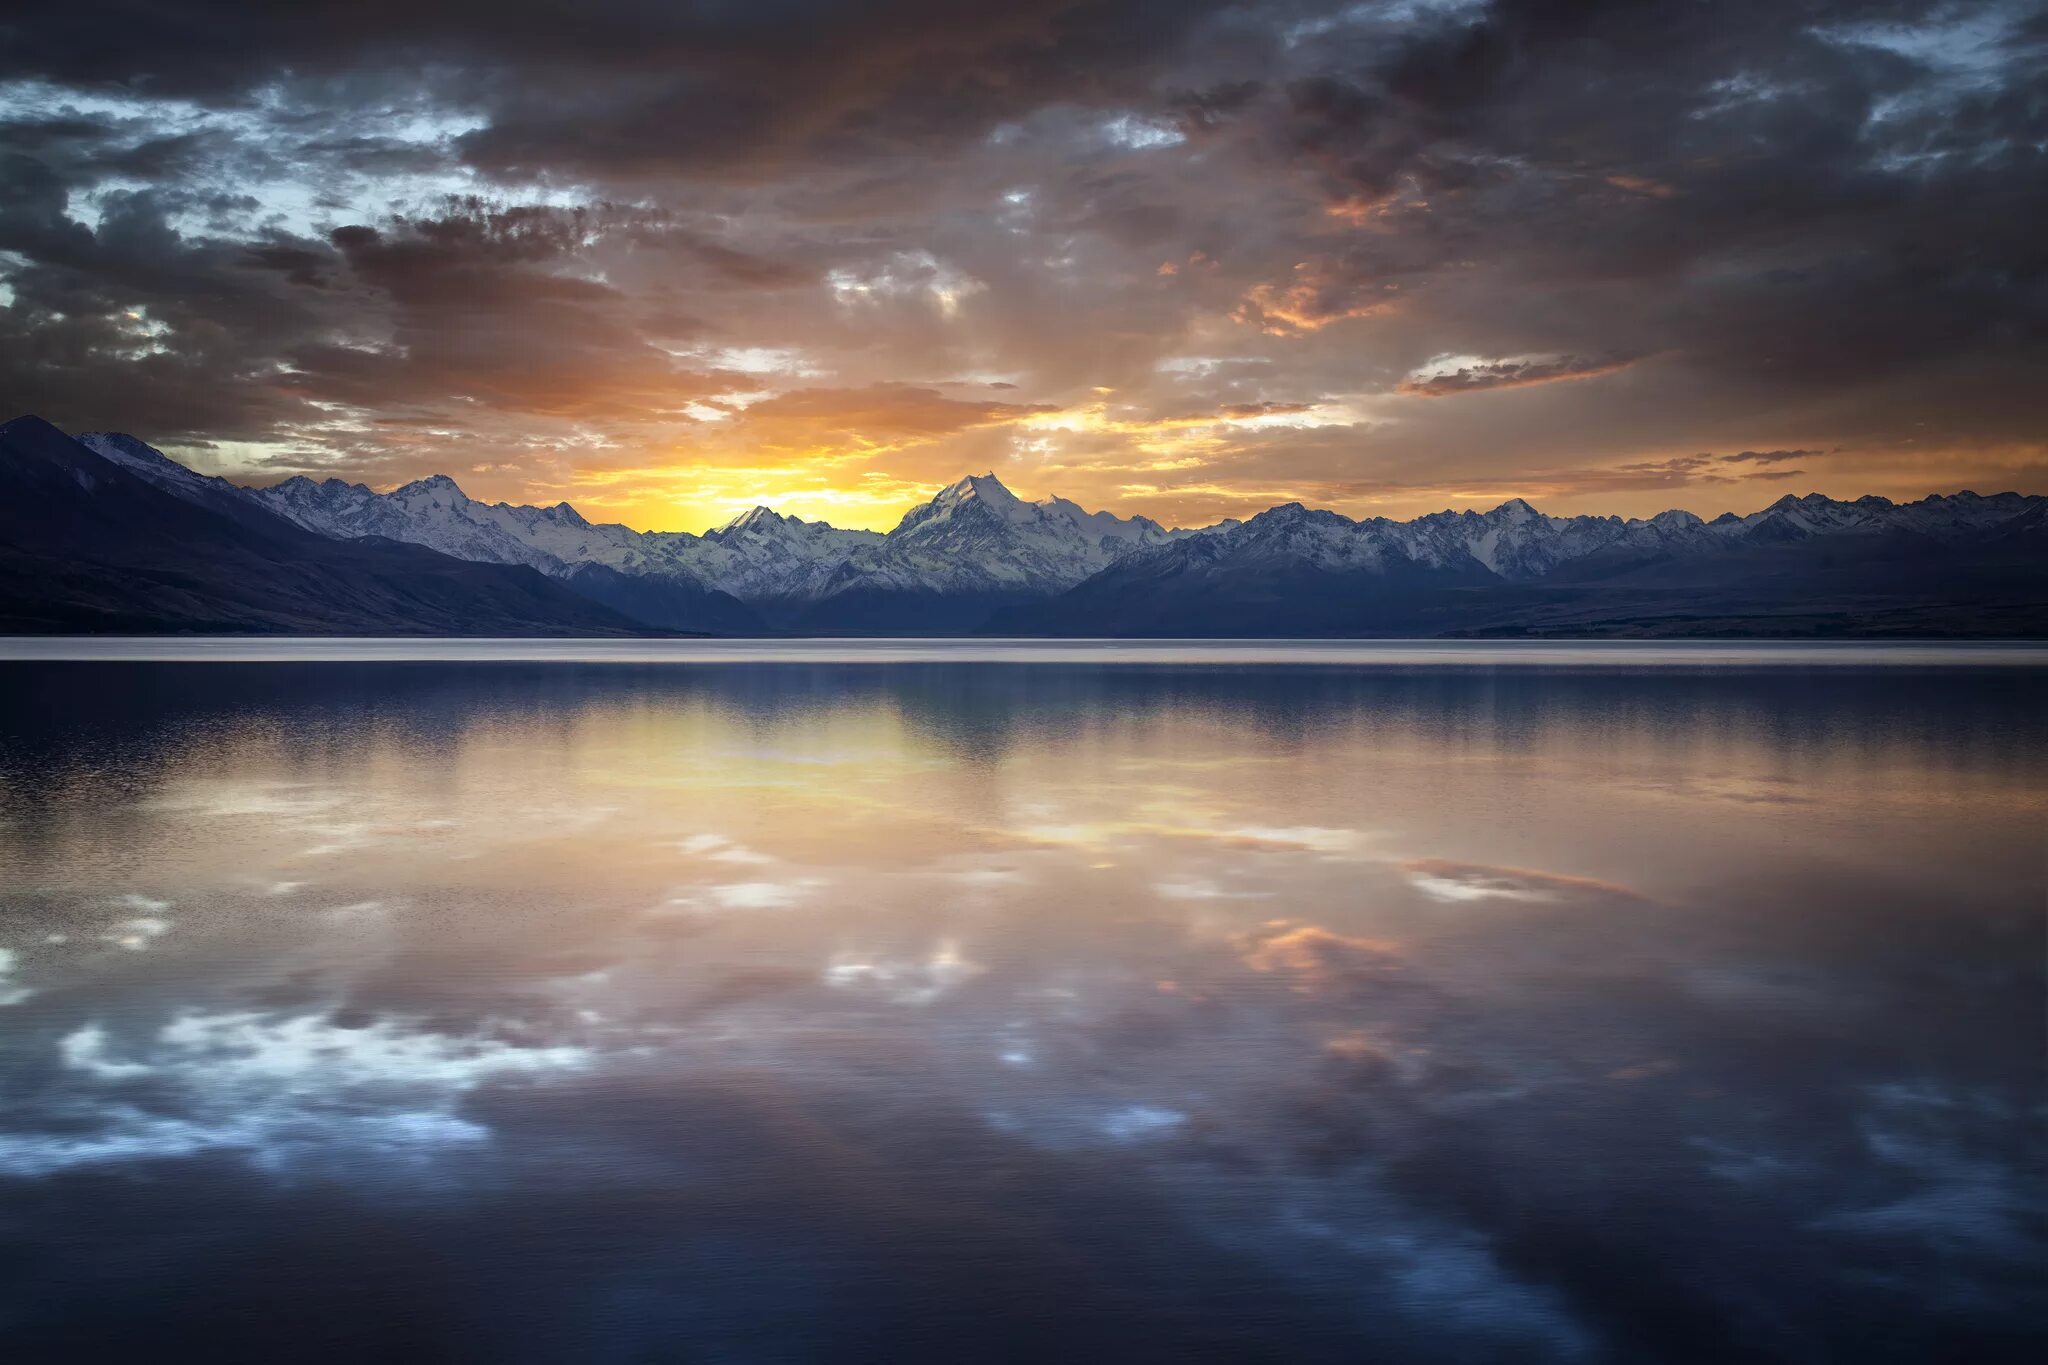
x=1293 y=514
x=1514 y=512
x=765 y=556
x=434 y=487
x=1280 y=514
x=1677 y=519
x=979 y=497
x=755 y=519
x=978 y=537
x=985 y=488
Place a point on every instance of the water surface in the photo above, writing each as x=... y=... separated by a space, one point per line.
x=506 y=1001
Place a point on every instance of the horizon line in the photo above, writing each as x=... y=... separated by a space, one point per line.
x=968 y=479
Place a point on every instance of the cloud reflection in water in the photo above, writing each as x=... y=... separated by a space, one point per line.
x=1301 y=1013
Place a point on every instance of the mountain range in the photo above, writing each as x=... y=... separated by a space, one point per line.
x=106 y=533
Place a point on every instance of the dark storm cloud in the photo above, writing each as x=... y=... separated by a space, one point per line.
x=94 y=309
x=805 y=82
x=1590 y=235
x=1795 y=194
x=636 y=89
x=214 y=338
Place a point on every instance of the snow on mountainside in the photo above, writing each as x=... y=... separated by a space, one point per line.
x=1803 y=567
x=1514 y=542
x=1517 y=542
x=435 y=512
x=978 y=536
x=1941 y=516
x=764 y=556
x=760 y=555
x=147 y=461
x=157 y=468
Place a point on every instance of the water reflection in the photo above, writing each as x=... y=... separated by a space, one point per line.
x=542 y=1012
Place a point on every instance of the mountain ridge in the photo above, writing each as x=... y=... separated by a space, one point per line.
x=976 y=558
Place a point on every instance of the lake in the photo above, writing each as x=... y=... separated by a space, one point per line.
x=922 y=1001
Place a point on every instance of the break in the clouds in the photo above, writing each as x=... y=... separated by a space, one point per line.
x=1183 y=258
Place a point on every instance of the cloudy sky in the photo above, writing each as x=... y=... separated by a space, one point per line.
x=1187 y=258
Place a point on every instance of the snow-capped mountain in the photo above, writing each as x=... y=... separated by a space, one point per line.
x=1804 y=565
x=978 y=556
x=106 y=535
x=1512 y=543
x=1049 y=539
x=646 y=575
x=974 y=547
x=1943 y=516
x=975 y=539
x=978 y=536
x=767 y=558
x=1518 y=543
x=436 y=512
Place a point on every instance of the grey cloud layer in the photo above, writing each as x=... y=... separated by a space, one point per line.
x=1589 y=236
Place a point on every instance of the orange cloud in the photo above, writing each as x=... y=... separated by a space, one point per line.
x=1636 y=184
x=1315 y=296
x=1315 y=960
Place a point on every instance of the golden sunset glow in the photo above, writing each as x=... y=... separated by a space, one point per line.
x=1182 y=269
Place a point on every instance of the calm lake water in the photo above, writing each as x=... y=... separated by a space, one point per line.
x=599 y=1003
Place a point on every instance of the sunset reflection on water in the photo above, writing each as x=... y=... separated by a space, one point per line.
x=928 y=1011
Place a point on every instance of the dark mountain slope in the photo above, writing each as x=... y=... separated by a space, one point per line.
x=870 y=610
x=87 y=545
x=1887 y=581
x=667 y=602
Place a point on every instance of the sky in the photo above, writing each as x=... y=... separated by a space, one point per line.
x=1179 y=257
